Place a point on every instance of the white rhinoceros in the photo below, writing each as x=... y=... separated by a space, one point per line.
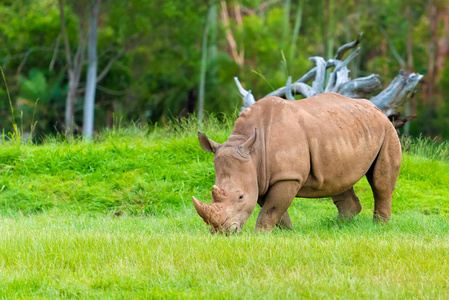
x=312 y=148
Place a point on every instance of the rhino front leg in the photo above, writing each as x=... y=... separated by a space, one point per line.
x=285 y=221
x=276 y=202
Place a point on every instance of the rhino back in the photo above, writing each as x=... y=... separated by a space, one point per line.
x=327 y=142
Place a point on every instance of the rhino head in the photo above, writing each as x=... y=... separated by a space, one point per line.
x=235 y=193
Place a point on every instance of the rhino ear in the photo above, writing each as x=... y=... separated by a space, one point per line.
x=249 y=144
x=208 y=145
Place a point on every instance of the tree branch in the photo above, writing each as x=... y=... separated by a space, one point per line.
x=405 y=91
x=360 y=87
x=288 y=89
x=296 y=88
x=320 y=74
x=395 y=95
x=248 y=98
x=311 y=74
x=392 y=47
x=342 y=50
x=390 y=92
x=131 y=45
x=342 y=78
x=55 y=53
x=338 y=66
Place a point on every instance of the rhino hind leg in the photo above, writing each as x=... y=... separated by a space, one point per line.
x=383 y=174
x=275 y=205
x=348 y=204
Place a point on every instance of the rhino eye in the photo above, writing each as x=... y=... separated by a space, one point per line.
x=241 y=197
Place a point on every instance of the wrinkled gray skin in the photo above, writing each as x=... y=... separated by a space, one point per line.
x=313 y=148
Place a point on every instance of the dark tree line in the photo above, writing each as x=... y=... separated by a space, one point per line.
x=159 y=59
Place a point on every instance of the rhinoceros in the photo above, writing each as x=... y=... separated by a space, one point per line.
x=312 y=148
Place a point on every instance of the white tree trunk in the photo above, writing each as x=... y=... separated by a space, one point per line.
x=202 y=83
x=91 y=81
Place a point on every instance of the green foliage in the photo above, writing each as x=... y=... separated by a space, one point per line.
x=158 y=76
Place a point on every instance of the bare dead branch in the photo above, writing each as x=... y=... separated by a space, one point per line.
x=404 y=94
x=320 y=74
x=248 y=98
x=360 y=87
x=342 y=78
x=288 y=89
x=339 y=65
x=349 y=58
x=343 y=49
x=390 y=92
x=398 y=121
x=55 y=53
x=296 y=88
x=333 y=76
x=311 y=74
x=409 y=88
x=395 y=95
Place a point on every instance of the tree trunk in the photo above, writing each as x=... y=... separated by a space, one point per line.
x=409 y=44
x=286 y=30
x=239 y=57
x=74 y=69
x=443 y=41
x=70 y=106
x=203 y=67
x=433 y=49
x=330 y=28
x=91 y=84
x=296 y=28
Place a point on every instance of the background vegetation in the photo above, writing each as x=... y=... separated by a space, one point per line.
x=155 y=47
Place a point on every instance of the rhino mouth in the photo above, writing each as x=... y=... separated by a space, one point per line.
x=232 y=229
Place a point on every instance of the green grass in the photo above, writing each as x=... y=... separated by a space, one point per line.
x=60 y=237
x=102 y=256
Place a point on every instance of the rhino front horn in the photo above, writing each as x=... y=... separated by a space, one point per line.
x=202 y=209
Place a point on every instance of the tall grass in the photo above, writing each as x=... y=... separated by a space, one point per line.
x=426 y=147
x=156 y=169
x=14 y=136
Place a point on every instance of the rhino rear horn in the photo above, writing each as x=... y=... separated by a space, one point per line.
x=218 y=194
x=207 y=144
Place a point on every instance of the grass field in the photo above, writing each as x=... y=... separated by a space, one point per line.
x=114 y=219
